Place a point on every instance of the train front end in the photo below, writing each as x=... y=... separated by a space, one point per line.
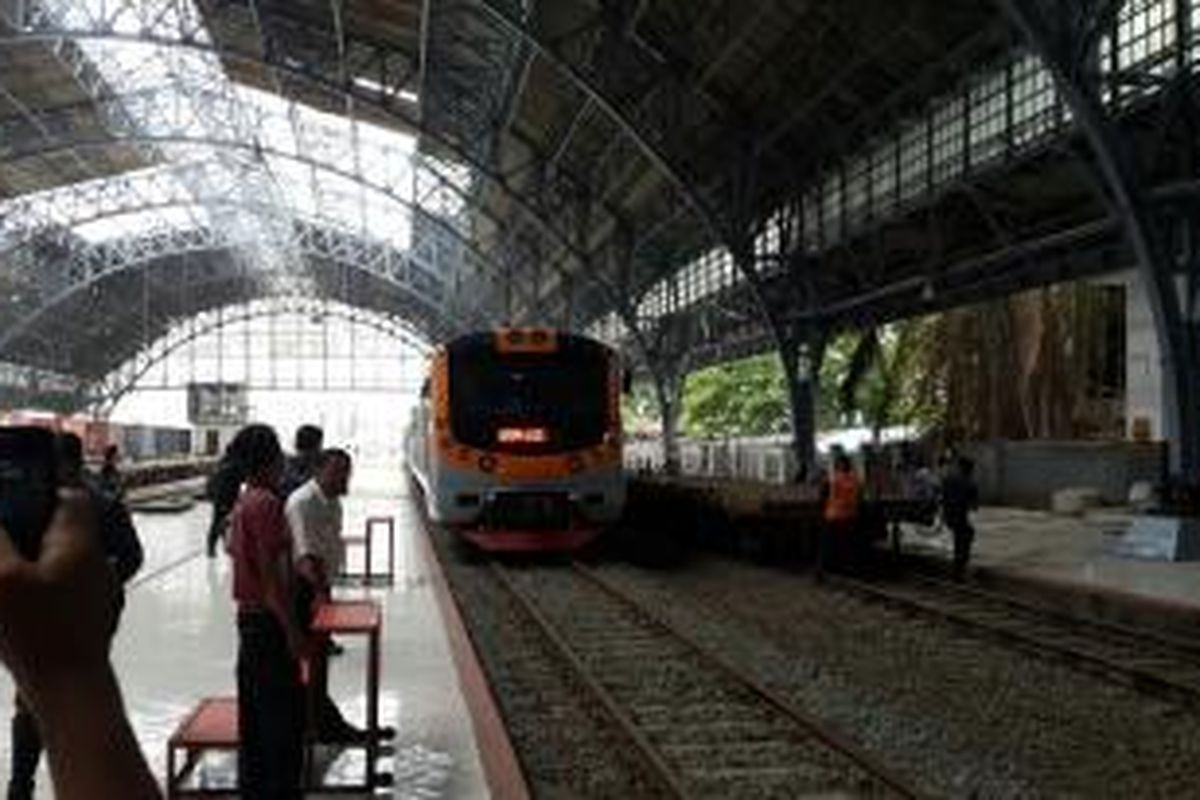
x=525 y=439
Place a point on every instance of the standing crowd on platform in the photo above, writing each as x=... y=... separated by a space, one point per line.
x=282 y=529
x=841 y=539
x=280 y=520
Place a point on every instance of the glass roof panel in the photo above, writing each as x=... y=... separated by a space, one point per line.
x=266 y=159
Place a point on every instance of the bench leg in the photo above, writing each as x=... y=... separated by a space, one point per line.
x=391 y=562
x=367 y=563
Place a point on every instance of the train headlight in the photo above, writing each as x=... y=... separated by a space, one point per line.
x=575 y=463
x=487 y=463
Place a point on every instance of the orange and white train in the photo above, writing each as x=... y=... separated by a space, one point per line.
x=516 y=442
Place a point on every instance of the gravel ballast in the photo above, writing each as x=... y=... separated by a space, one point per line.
x=958 y=715
x=954 y=714
x=567 y=748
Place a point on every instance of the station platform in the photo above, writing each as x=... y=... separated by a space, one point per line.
x=177 y=644
x=1066 y=561
x=1072 y=558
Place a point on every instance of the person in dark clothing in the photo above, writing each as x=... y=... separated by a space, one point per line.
x=303 y=464
x=123 y=551
x=225 y=484
x=960 y=496
x=271 y=644
x=110 y=473
x=222 y=490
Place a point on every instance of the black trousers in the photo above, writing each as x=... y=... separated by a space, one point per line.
x=836 y=542
x=217 y=531
x=26 y=752
x=964 y=537
x=270 y=711
x=26 y=739
x=326 y=719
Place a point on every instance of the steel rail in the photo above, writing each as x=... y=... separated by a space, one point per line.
x=1159 y=639
x=820 y=730
x=1105 y=666
x=670 y=777
x=645 y=750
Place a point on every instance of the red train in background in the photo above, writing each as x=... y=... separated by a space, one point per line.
x=135 y=442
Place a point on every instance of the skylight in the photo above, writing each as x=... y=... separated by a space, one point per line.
x=270 y=160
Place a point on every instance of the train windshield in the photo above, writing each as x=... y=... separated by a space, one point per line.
x=529 y=402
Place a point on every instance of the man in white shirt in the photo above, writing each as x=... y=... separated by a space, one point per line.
x=314 y=514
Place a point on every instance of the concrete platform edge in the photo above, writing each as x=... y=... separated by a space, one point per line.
x=1116 y=605
x=505 y=778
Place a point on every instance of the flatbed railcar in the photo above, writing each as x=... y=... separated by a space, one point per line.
x=516 y=442
x=136 y=443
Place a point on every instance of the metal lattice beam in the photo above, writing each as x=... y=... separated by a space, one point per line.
x=50 y=30
x=89 y=265
x=125 y=195
x=107 y=392
x=1067 y=44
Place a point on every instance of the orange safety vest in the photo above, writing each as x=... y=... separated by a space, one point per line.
x=842 y=504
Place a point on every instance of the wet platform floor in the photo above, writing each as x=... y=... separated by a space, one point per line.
x=177 y=643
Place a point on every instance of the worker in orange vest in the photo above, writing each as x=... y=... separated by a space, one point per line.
x=840 y=496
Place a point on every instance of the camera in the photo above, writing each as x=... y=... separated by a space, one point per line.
x=28 y=485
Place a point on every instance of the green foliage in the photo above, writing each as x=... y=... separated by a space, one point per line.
x=839 y=354
x=878 y=384
x=893 y=388
x=741 y=398
x=639 y=409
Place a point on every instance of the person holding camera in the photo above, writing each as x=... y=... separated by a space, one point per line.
x=57 y=615
x=123 y=552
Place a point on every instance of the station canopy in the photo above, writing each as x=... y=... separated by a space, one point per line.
x=453 y=163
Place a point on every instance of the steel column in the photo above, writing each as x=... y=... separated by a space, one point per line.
x=668 y=389
x=802 y=357
x=1066 y=44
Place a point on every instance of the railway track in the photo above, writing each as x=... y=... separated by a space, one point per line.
x=1148 y=661
x=700 y=725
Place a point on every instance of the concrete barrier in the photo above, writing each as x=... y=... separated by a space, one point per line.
x=1026 y=474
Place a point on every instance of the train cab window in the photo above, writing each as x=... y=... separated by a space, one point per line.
x=561 y=395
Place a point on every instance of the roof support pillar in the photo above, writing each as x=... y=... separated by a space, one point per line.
x=1066 y=38
x=800 y=346
x=667 y=361
x=668 y=389
x=568 y=312
x=802 y=354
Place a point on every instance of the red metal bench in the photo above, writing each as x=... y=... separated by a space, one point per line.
x=212 y=725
